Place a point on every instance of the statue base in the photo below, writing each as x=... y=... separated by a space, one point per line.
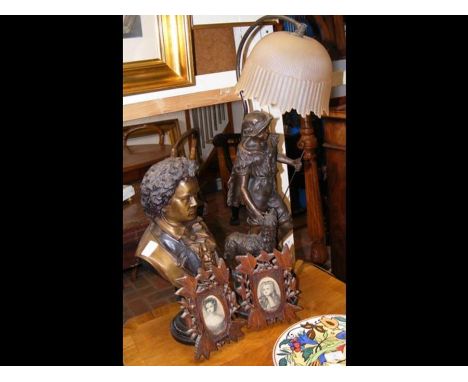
x=179 y=331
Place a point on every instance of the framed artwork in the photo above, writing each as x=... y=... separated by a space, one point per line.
x=267 y=287
x=157 y=53
x=132 y=26
x=208 y=305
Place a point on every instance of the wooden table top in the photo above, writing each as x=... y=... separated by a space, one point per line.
x=147 y=339
x=138 y=156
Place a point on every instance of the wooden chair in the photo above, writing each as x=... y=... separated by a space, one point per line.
x=169 y=128
x=147 y=128
x=226 y=149
x=138 y=158
x=193 y=137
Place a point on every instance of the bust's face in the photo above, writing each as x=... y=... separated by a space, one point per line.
x=183 y=205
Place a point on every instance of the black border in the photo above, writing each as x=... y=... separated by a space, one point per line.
x=62 y=279
x=405 y=276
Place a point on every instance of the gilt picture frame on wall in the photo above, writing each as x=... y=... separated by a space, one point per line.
x=161 y=58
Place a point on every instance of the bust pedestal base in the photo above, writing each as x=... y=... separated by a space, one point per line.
x=179 y=331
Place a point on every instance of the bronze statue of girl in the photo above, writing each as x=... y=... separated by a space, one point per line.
x=253 y=177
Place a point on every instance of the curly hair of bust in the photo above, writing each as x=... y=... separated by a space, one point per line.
x=160 y=182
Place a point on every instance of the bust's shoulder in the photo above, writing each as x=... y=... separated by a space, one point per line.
x=150 y=243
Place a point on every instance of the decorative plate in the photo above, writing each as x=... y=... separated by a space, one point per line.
x=315 y=341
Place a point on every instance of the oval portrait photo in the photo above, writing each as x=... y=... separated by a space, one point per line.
x=213 y=315
x=268 y=294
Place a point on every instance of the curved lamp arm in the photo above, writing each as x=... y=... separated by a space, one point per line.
x=253 y=29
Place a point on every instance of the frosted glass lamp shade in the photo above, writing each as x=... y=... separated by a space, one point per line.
x=290 y=72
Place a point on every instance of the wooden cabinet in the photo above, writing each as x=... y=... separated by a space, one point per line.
x=334 y=126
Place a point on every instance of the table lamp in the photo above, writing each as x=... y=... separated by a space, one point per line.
x=289 y=70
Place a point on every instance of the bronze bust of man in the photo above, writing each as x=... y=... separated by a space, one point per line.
x=253 y=177
x=177 y=241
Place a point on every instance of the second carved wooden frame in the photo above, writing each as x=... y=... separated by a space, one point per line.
x=267 y=287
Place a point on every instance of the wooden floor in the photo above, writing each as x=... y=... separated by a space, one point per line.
x=147 y=339
x=150 y=291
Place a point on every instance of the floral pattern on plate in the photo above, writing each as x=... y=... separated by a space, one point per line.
x=315 y=341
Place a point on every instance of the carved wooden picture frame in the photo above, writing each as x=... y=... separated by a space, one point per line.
x=209 y=305
x=267 y=287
